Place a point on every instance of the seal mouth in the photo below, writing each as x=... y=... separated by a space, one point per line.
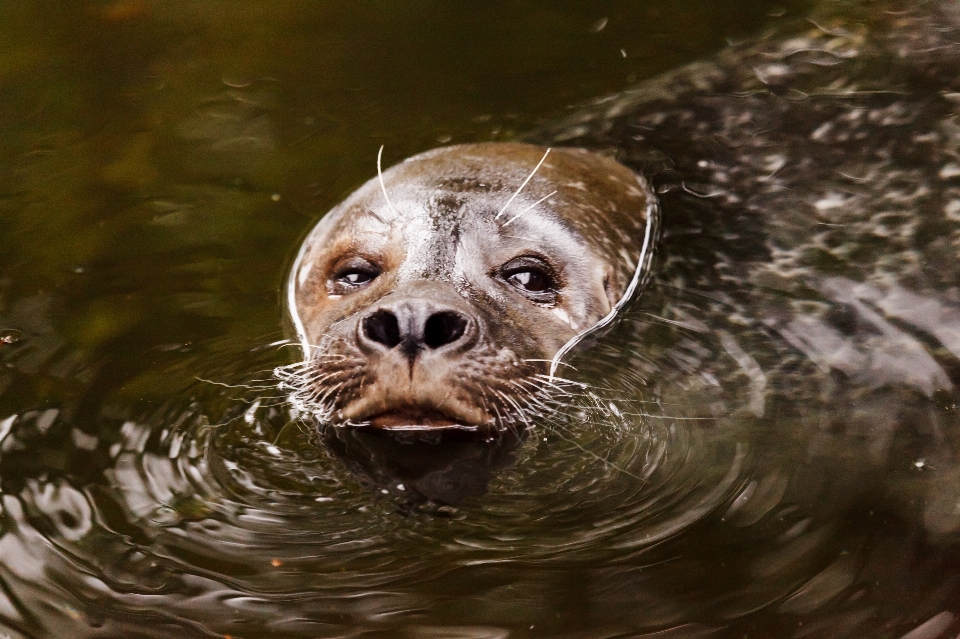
x=418 y=420
x=414 y=408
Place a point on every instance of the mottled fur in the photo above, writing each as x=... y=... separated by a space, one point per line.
x=810 y=261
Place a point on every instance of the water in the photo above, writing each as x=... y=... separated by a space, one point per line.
x=159 y=164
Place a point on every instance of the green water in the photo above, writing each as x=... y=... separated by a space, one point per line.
x=159 y=164
x=160 y=161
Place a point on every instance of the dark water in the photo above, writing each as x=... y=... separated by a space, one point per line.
x=159 y=163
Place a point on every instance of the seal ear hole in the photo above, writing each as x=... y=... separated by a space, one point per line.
x=610 y=290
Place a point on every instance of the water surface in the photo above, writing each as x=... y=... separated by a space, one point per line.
x=159 y=164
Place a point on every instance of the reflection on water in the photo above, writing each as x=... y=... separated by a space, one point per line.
x=747 y=456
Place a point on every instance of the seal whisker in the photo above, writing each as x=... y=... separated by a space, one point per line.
x=520 y=412
x=383 y=188
x=538 y=390
x=529 y=177
x=671 y=322
x=500 y=419
x=330 y=391
x=545 y=197
x=507 y=420
x=675 y=417
x=550 y=360
x=537 y=406
x=548 y=380
x=555 y=429
x=225 y=385
x=557 y=383
x=482 y=396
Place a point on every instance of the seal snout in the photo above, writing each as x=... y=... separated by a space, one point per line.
x=415 y=343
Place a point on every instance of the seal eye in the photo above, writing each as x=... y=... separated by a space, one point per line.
x=356 y=277
x=532 y=276
x=351 y=275
x=530 y=280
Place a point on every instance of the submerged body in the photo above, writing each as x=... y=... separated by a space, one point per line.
x=822 y=196
x=820 y=202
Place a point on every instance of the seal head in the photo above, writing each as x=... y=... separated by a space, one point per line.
x=437 y=296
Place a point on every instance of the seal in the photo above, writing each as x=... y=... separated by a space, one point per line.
x=802 y=195
x=439 y=295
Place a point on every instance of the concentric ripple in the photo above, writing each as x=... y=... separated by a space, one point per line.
x=677 y=493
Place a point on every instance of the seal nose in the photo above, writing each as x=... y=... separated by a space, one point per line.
x=382 y=327
x=443 y=328
x=414 y=327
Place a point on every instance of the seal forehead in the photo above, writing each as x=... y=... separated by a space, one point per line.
x=429 y=232
x=574 y=198
x=598 y=199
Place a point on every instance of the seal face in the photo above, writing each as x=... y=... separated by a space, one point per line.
x=437 y=297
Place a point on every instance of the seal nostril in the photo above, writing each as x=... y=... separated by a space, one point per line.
x=382 y=327
x=443 y=328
